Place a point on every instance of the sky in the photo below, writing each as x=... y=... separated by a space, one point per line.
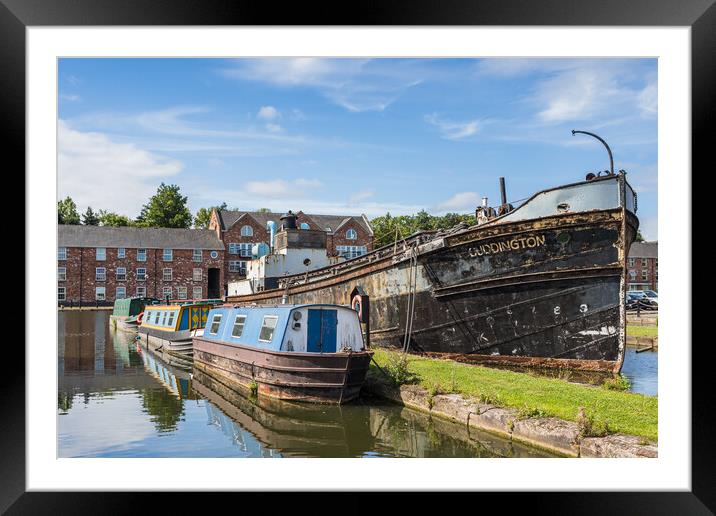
x=351 y=136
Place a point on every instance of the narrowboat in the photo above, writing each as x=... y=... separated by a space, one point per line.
x=169 y=328
x=312 y=353
x=541 y=284
x=126 y=315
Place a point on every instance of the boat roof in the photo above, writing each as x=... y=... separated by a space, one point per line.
x=280 y=306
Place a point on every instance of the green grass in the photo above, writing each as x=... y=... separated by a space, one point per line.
x=625 y=412
x=642 y=331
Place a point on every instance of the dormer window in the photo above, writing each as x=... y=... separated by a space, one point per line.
x=247 y=231
x=351 y=234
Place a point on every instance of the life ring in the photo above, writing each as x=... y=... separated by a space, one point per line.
x=139 y=317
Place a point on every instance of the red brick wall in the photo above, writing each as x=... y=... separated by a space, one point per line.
x=233 y=236
x=339 y=237
x=84 y=277
x=651 y=273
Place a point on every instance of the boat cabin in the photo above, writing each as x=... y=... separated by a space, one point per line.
x=178 y=317
x=287 y=328
x=131 y=306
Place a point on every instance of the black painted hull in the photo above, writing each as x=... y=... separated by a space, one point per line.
x=546 y=292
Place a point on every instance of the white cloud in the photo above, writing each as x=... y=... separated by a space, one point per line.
x=361 y=196
x=451 y=130
x=70 y=97
x=278 y=188
x=274 y=128
x=96 y=171
x=648 y=100
x=354 y=84
x=460 y=202
x=268 y=113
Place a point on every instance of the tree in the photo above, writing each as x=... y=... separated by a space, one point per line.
x=203 y=216
x=639 y=238
x=90 y=218
x=67 y=212
x=108 y=218
x=165 y=209
x=263 y=210
x=387 y=229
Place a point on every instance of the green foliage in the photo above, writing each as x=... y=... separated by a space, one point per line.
x=526 y=412
x=388 y=228
x=588 y=427
x=263 y=210
x=639 y=238
x=90 y=218
x=397 y=368
x=165 y=209
x=203 y=216
x=108 y=218
x=67 y=212
x=618 y=383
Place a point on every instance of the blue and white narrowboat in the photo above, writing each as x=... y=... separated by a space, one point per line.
x=309 y=352
x=169 y=328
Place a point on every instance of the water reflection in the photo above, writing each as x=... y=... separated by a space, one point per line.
x=117 y=399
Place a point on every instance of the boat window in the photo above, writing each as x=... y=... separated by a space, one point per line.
x=267 y=328
x=215 y=322
x=170 y=322
x=238 y=326
x=164 y=318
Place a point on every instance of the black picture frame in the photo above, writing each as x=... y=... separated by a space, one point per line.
x=17 y=15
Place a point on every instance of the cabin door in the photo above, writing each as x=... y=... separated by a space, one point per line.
x=322 y=330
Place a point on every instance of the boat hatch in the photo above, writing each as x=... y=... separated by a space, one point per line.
x=322 y=326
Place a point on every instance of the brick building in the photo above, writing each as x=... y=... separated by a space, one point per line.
x=101 y=264
x=239 y=230
x=643 y=266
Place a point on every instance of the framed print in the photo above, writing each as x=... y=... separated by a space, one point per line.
x=426 y=236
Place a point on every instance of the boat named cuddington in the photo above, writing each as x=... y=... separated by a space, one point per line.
x=537 y=285
x=313 y=353
x=169 y=328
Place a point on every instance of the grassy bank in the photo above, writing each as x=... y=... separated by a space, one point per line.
x=642 y=331
x=625 y=412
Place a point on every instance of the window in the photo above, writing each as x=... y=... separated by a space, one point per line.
x=196 y=293
x=164 y=318
x=141 y=274
x=328 y=229
x=61 y=253
x=351 y=251
x=632 y=275
x=99 y=293
x=238 y=326
x=60 y=293
x=351 y=234
x=121 y=293
x=644 y=262
x=181 y=292
x=632 y=261
x=214 y=254
x=237 y=266
x=121 y=273
x=100 y=274
x=167 y=255
x=215 y=323
x=240 y=249
x=166 y=292
x=643 y=274
x=167 y=274
x=61 y=274
x=121 y=252
x=196 y=275
x=267 y=328
x=197 y=255
x=141 y=255
x=141 y=291
x=247 y=231
x=101 y=253
x=170 y=319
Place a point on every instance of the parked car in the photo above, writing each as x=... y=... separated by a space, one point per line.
x=641 y=300
x=652 y=295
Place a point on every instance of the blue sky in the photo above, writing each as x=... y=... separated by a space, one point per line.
x=351 y=136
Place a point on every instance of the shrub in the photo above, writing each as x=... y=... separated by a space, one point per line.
x=618 y=383
x=590 y=428
x=397 y=368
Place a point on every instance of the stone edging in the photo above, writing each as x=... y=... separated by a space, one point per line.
x=549 y=433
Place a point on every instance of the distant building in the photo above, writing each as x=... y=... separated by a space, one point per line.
x=643 y=266
x=347 y=236
x=98 y=264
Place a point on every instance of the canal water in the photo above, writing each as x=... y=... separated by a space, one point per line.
x=116 y=399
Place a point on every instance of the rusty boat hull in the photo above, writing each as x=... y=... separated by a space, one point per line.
x=333 y=378
x=536 y=292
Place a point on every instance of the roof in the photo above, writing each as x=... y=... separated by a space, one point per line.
x=137 y=238
x=644 y=250
x=228 y=218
